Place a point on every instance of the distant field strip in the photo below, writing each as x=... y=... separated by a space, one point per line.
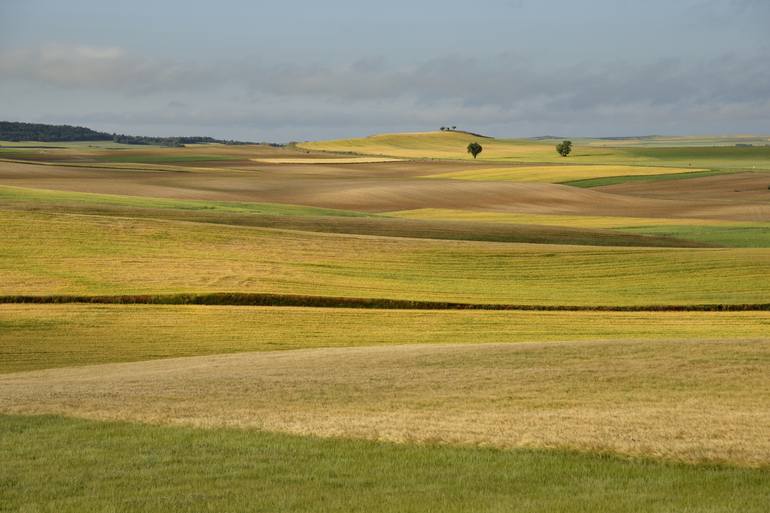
x=557 y=174
x=705 y=231
x=574 y=221
x=321 y=160
x=614 y=180
x=694 y=401
x=91 y=255
x=45 y=336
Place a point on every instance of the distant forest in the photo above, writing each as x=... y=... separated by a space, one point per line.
x=17 y=132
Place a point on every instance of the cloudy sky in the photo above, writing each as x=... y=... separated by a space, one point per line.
x=300 y=69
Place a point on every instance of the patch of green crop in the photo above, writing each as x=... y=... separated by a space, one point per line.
x=54 y=464
x=614 y=180
x=739 y=236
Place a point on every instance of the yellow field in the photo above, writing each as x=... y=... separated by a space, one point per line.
x=560 y=220
x=47 y=336
x=79 y=254
x=691 y=401
x=557 y=174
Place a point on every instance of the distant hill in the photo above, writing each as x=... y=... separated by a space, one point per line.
x=18 y=132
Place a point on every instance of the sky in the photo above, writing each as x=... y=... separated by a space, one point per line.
x=296 y=70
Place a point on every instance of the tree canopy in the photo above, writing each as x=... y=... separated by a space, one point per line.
x=474 y=149
x=564 y=148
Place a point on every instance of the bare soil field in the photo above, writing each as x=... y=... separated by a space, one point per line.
x=393 y=186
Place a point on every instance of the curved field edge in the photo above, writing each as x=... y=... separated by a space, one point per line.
x=149 y=469
x=61 y=335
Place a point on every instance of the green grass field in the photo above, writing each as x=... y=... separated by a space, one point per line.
x=66 y=465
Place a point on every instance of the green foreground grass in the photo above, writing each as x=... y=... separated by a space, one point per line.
x=54 y=464
x=47 y=336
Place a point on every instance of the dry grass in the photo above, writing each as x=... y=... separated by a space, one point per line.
x=557 y=174
x=45 y=336
x=690 y=401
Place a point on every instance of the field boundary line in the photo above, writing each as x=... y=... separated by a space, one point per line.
x=294 y=300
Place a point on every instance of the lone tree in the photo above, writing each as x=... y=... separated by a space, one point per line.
x=564 y=148
x=474 y=149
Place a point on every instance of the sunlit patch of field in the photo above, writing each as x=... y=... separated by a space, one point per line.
x=691 y=401
x=557 y=174
x=48 y=336
x=447 y=145
x=75 y=254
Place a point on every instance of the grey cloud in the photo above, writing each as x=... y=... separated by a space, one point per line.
x=504 y=81
x=505 y=92
x=90 y=67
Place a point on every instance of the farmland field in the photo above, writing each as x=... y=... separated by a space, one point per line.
x=563 y=401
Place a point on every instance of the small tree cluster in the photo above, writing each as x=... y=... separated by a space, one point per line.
x=445 y=128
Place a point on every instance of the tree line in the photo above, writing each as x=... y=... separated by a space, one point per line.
x=17 y=132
